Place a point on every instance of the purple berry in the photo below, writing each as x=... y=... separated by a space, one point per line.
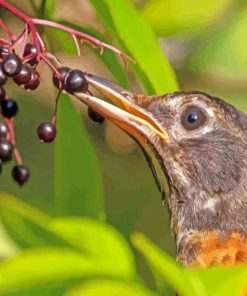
x=3 y=131
x=46 y=132
x=24 y=76
x=6 y=150
x=75 y=81
x=30 y=49
x=3 y=77
x=20 y=174
x=4 y=50
x=94 y=116
x=63 y=71
x=34 y=81
x=11 y=65
x=9 y=108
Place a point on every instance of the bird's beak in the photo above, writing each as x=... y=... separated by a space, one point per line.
x=125 y=112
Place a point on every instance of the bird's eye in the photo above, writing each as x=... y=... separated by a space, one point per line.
x=192 y=118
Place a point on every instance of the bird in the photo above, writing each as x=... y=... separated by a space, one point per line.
x=196 y=147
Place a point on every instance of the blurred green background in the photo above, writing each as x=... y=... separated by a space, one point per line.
x=204 y=41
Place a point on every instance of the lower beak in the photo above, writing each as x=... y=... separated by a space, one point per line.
x=125 y=112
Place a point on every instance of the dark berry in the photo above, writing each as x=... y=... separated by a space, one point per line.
x=20 y=174
x=46 y=132
x=24 y=76
x=6 y=150
x=3 y=131
x=63 y=71
x=2 y=93
x=34 y=81
x=11 y=65
x=30 y=49
x=4 y=50
x=3 y=77
x=9 y=108
x=94 y=116
x=75 y=81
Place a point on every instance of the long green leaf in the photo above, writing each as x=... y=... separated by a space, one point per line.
x=31 y=228
x=98 y=241
x=221 y=281
x=182 y=17
x=27 y=226
x=123 y=21
x=110 y=288
x=48 y=8
x=164 y=265
x=77 y=180
x=39 y=267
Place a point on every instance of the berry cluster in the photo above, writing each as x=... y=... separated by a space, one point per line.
x=11 y=66
x=26 y=76
x=19 y=60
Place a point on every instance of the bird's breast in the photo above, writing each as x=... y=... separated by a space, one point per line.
x=213 y=249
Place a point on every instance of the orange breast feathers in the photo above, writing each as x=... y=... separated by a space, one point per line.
x=204 y=250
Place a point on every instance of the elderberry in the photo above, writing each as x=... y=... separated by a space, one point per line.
x=34 y=81
x=94 y=116
x=56 y=81
x=3 y=131
x=6 y=151
x=30 y=49
x=3 y=77
x=20 y=174
x=4 y=50
x=75 y=81
x=11 y=65
x=24 y=76
x=46 y=132
x=9 y=108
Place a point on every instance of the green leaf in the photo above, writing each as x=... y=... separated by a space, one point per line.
x=77 y=180
x=39 y=267
x=221 y=281
x=183 y=17
x=48 y=8
x=223 y=56
x=98 y=241
x=31 y=228
x=26 y=225
x=57 y=290
x=110 y=288
x=137 y=38
x=164 y=265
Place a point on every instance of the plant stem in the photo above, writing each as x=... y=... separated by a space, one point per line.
x=25 y=18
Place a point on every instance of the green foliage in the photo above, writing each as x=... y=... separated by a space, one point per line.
x=110 y=288
x=79 y=250
x=77 y=180
x=123 y=22
x=183 y=17
x=48 y=8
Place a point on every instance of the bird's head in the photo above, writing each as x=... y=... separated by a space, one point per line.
x=197 y=147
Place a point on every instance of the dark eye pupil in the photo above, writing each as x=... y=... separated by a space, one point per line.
x=192 y=117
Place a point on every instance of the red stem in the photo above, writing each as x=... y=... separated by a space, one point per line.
x=25 y=18
x=81 y=35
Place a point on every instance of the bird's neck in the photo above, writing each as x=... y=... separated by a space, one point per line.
x=210 y=230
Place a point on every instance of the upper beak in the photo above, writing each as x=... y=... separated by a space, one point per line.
x=126 y=113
